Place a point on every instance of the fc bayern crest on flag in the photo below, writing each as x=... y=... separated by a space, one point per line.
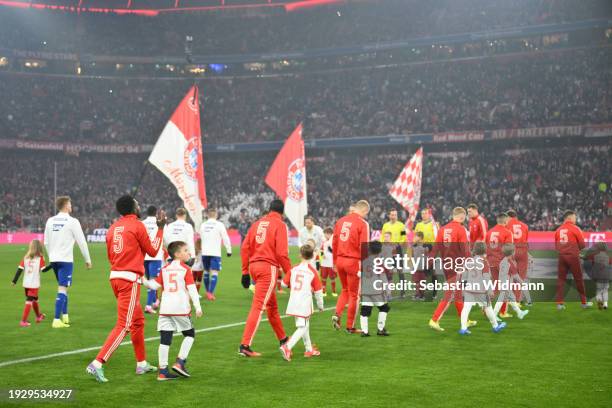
x=191 y=158
x=406 y=189
x=287 y=177
x=295 y=180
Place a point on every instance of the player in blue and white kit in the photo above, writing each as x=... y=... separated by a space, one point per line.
x=152 y=264
x=61 y=232
x=213 y=234
x=181 y=230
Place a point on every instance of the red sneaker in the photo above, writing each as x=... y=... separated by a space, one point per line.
x=246 y=351
x=40 y=318
x=285 y=352
x=352 y=330
x=210 y=296
x=313 y=353
x=24 y=324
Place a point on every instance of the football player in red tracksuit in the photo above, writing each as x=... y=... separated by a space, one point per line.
x=495 y=240
x=569 y=241
x=520 y=235
x=477 y=226
x=451 y=242
x=351 y=234
x=264 y=250
x=127 y=241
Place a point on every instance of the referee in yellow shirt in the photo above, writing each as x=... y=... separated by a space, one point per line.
x=396 y=230
x=429 y=228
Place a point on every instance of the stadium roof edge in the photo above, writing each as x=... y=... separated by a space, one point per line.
x=287 y=5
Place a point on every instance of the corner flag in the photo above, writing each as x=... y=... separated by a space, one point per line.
x=287 y=177
x=178 y=155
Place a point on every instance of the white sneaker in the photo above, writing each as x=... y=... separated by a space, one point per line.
x=560 y=306
x=587 y=305
x=522 y=314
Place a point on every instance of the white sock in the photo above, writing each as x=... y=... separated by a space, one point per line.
x=185 y=347
x=515 y=306
x=306 y=337
x=96 y=364
x=142 y=363
x=599 y=292
x=295 y=337
x=500 y=302
x=490 y=315
x=163 y=355
x=524 y=293
x=363 y=320
x=382 y=319
x=465 y=313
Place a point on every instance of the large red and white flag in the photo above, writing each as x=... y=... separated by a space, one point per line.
x=407 y=187
x=178 y=154
x=287 y=177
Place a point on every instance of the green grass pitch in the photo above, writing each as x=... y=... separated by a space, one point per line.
x=553 y=359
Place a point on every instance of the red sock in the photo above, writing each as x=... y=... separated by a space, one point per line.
x=278 y=285
x=442 y=306
x=503 y=308
x=333 y=283
x=26 y=311
x=459 y=306
x=198 y=286
x=324 y=284
x=36 y=309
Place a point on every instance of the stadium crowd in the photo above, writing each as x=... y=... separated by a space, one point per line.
x=275 y=31
x=560 y=88
x=494 y=177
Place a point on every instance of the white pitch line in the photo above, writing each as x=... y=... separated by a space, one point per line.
x=125 y=343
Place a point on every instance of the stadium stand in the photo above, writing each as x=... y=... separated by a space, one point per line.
x=493 y=176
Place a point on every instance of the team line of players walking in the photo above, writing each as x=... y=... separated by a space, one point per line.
x=136 y=251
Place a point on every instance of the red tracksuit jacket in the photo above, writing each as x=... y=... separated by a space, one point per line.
x=520 y=234
x=478 y=228
x=266 y=241
x=496 y=238
x=351 y=234
x=127 y=241
x=569 y=239
x=451 y=241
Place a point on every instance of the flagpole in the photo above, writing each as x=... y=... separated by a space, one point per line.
x=143 y=171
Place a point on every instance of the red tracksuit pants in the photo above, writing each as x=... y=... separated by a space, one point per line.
x=129 y=319
x=455 y=296
x=571 y=263
x=348 y=269
x=264 y=299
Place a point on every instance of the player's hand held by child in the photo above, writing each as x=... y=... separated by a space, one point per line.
x=245 y=280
